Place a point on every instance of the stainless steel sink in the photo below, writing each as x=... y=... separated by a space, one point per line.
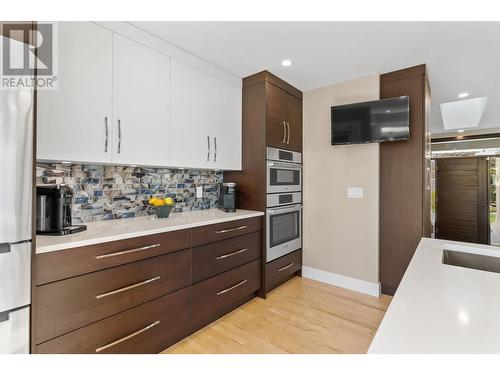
x=469 y=260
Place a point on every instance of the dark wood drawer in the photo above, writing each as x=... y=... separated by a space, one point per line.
x=148 y=328
x=69 y=304
x=217 y=257
x=220 y=294
x=222 y=231
x=280 y=270
x=63 y=264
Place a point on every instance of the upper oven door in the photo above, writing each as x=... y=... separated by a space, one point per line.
x=283 y=177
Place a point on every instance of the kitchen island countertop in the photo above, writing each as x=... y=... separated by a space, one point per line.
x=439 y=308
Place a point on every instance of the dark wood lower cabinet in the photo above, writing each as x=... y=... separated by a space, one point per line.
x=89 y=298
x=223 y=231
x=216 y=296
x=146 y=305
x=216 y=257
x=58 y=265
x=283 y=269
x=148 y=328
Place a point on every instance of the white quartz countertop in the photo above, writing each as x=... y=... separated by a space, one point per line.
x=440 y=308
x=112 y=230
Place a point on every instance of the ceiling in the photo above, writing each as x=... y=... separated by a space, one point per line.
x=460 y=56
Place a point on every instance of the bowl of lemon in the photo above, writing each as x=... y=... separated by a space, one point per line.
x=161 y=206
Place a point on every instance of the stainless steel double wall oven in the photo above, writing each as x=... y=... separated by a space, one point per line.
x=284 y=202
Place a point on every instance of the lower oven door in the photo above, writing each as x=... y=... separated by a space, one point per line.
x=284 y=231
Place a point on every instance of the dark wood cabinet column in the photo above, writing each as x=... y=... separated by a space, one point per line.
x=405 y=215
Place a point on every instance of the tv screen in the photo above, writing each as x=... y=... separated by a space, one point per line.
x=376 y=121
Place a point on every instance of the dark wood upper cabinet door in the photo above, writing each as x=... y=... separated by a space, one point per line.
x=294 y=123
x=284 y=119
x=276 y=131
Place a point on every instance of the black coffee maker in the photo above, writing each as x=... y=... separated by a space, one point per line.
x=53 y=211
x=227 y=197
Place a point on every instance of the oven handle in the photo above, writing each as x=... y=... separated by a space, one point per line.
x=285 y=210
x=292 y=166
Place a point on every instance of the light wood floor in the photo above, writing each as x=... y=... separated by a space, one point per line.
x=302 y=316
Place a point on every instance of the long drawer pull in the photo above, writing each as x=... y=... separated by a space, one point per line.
x=231 y=230
x=286 y=267
x=100 y=349
x=231 y=254
x=232 y=287
x=124 y=289
x=127 y=251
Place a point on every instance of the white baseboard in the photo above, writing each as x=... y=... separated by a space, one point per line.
x=362 y=286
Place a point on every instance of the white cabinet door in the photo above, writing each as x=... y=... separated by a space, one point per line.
x=141 y=81
x=191 y=141
x=226 y=124
x=72 y=120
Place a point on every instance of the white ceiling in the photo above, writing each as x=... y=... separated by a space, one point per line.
x=460 y=56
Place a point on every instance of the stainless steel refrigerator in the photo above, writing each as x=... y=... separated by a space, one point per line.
x=16 y=154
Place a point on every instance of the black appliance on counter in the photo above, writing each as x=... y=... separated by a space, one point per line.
x=227 y=197
x=53 y=211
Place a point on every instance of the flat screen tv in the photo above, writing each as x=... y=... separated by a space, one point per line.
x=376 y=121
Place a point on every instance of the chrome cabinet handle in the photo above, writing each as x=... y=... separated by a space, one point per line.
x=232 y=287
x=124 y=289
x=127 y=251
x=4 y=248
x=4 y=316
x=288 y=127
x=100 y=349
x=208 y=152
x=286 y=267
x=231 y=254
x=119 y=136
x=284 y=131
x=106 y=129
x=231 y=230
x=215 y=149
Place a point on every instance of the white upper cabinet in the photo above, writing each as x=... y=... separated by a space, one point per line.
x=141 y=81
x=226 y=101
x=205 y=119
x=120 y=100
x=191 y=141
x=72 y=120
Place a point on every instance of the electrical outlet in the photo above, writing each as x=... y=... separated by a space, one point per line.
x=199 y=191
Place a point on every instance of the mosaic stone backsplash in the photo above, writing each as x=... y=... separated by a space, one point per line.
x=117 y=192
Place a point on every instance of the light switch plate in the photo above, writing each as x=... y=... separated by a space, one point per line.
x=354 y=192
x=199 y=191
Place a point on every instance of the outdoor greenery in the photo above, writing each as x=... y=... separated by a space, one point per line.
x=493 y=190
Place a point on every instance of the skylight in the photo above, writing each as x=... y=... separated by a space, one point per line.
x=463 y=113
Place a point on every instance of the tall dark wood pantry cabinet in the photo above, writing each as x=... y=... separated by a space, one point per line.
x=405 y=190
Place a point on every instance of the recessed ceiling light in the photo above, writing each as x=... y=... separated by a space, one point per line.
x=461 y=130
x=286 y=62
x=463 y=95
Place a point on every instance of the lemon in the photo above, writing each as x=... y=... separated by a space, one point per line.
x=152 y=200
x=158 y=202
x=169 y=201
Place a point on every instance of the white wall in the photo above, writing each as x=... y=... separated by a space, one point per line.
x=341 y=236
